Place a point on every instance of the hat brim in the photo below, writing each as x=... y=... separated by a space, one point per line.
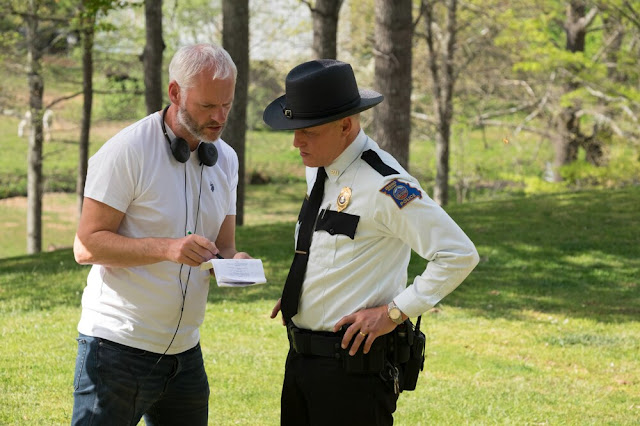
x=274 y=113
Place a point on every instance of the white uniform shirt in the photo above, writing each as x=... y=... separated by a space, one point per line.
x=388 y=216
x=135 y=173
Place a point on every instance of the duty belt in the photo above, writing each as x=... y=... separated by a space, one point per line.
x=318 y=343
x=326 y=344
x=388 y=353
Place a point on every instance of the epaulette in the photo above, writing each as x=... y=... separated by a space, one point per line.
x=374 y=160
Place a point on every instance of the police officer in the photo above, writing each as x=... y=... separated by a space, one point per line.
x=347 y=288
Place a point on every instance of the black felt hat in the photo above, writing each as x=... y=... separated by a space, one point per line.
x=318 y=92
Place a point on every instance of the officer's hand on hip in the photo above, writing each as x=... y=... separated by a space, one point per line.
x=366 y=326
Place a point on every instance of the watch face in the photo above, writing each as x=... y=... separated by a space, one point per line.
x=394 y=313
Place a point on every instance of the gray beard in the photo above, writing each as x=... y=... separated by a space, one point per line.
x=186 y=121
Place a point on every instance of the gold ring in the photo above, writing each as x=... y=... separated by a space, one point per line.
x=363 y=334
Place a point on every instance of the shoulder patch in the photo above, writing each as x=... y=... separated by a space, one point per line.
x=374 y=160
x=401 y=192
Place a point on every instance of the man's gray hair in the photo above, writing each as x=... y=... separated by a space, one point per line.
x=189 y=61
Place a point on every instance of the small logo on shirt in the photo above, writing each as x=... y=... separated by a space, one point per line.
x=211 y=186
x=401 y=192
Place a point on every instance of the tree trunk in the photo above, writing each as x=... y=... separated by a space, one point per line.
x=152 y=55
x=235 y=39
x=441 y=65
x=441 y=188
x=574 y=26
x=87 y=90
x=569 y=135
x=594 y=145
x=325 y=28
x=566 y=140
x=614 y=32
x=34 y=156
x=393 y=43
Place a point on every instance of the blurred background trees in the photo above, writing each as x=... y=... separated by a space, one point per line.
x=544 y=76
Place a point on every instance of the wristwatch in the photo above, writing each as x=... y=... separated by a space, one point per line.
x=394 y=313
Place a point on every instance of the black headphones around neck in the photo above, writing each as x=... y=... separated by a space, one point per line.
x=207 y=152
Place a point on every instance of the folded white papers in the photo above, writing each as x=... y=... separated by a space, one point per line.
x=236 y=272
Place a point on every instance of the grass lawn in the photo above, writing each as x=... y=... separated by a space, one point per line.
x=545 y=331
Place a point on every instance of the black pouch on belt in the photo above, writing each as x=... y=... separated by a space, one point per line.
x=415 y=363
x=370 y=363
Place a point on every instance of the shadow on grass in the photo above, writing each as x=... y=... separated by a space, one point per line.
x=46 y=280
x=573 y=254
x=41 y=281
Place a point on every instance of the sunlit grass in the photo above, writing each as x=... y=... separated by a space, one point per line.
x=546 y=330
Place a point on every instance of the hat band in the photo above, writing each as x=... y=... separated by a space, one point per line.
x=326 y=113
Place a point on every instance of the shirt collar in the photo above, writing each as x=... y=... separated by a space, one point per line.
x=348 y=156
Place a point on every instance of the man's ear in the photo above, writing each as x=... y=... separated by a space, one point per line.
x=350 y=126
x=174 y=93
x=347 y=125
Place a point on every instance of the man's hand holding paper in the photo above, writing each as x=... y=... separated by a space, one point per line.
x=236 y=272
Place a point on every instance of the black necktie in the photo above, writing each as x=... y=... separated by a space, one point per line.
x=291 y=291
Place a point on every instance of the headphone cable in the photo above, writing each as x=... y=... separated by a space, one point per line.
x=183 y=291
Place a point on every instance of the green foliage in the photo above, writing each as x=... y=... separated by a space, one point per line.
x=118 y=85
x=358 y=41
x=581 y=174
x=120 y=32
x=8 y=36
x=536 y=185
x=191 y=21
x=266 y=84
x=123 y=101
x=525 y=37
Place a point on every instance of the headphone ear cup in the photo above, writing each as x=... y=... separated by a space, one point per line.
x=208 y=154
x=180 y=150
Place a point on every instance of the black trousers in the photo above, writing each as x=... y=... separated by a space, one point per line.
x=317 y=392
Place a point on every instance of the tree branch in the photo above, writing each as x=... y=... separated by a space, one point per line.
x=99 y=92
x=636 y=15
x=508 y=111
x=534 y=113
x=600 y=95
x=603 y=119
x=535 y=130
x=420 y=14
x=423 y=117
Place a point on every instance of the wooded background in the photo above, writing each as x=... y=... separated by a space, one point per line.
x=563 y=72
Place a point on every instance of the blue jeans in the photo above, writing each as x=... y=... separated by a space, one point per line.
x=117 y=385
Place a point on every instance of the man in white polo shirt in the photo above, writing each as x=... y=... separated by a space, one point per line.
x=160 y=199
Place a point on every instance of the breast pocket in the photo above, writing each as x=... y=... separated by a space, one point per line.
x=334 y=239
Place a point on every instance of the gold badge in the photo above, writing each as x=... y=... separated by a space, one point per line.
x=344 y=198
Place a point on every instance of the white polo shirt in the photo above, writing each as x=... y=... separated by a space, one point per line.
x=358 y=257
x=135 y=173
